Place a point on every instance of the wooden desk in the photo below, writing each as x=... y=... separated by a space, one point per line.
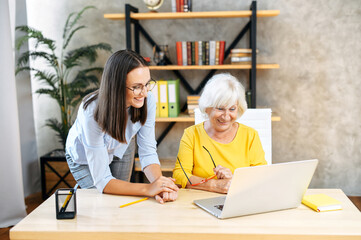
x=99 y=217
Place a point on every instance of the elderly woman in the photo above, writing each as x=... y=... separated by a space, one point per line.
x=209 y=152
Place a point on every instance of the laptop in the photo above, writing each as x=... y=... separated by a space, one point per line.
x=262 y=189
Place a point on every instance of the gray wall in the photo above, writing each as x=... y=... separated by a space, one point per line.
x=315 y=92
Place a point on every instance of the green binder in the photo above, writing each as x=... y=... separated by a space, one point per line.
x=173 y=98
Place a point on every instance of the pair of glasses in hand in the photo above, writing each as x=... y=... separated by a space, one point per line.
x=204 y=180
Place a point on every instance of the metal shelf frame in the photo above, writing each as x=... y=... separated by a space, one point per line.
x=250 y=26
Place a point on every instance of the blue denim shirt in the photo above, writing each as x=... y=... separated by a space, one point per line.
x=87 y=144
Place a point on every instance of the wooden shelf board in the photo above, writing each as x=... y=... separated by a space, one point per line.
x=275 y=118
x=182 y=15
x=166 y=164
x=209 y=67
x=183 y=117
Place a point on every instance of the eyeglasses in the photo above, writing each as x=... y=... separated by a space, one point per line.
x=204 y=180
x=137 y=90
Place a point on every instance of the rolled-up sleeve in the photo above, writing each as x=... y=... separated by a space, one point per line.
x=96 y=152
x=147 y=145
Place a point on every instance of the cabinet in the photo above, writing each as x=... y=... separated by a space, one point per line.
x=132 y=18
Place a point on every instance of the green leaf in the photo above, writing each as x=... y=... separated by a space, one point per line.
x=50 y=78
x=59 y=128
x=24 y=58
x=66 y=27
x=51 y=92
x=71 y=35
x=26 y=68
x=34 y=34
x=88 y=52
x=70 y=23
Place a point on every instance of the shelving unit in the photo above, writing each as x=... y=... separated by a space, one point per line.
x=132 y=16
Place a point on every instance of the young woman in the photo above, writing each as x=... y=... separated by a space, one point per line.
x=209 y=152
x=100 y=145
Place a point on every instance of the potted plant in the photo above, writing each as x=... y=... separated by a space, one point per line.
x=68 y=91
x=67 y=80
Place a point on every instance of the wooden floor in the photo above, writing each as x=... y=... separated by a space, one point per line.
x=34 y=200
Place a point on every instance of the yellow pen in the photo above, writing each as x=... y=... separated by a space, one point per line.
x=140 y=200
x=67 y=199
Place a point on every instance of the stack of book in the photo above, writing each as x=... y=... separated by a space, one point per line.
x=200 y=52
x=241 y=56
x=192 y=102
x=181 y=5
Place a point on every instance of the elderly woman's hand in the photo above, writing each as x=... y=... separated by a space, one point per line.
x=222 y=172
x=220 y=185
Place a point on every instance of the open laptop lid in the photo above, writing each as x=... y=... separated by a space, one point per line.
x=268 y=188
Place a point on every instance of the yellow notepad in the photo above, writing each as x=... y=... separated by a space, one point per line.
x=321 y=202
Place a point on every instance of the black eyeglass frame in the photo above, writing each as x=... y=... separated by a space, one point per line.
x=143 y=86
x=186 y=173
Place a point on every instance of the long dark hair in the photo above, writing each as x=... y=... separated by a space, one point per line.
x=111 y=112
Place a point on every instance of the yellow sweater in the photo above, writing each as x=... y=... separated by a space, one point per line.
x=245 y=150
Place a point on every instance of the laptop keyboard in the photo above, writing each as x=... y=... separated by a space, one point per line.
x=220 y=207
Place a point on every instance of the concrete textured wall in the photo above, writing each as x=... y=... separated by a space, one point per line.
x=315 y=92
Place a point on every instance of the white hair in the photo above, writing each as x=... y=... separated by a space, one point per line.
x=223 y=90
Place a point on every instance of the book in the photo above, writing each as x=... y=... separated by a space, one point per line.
x=241 y=59
x=217 y=53
x=242 y=50
x=241 y=54
x=178 y=5
x=212 y=52
x=193 y=97
x=174 y=5
x=206 y=53
x=181 y=3
x=189 y=5
x=222 y=46
x=192 y=103
x=193 y=54
x=189 y=53
x=196 y=53
x=200 y=53
x=185 y=6
x=184 y=53
x=321 y=202
x=204 y=62
x=179 y=53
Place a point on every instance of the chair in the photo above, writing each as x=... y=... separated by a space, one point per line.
x=258 y=119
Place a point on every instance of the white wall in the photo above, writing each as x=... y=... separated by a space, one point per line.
x=12 y=207
x=29 y=156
